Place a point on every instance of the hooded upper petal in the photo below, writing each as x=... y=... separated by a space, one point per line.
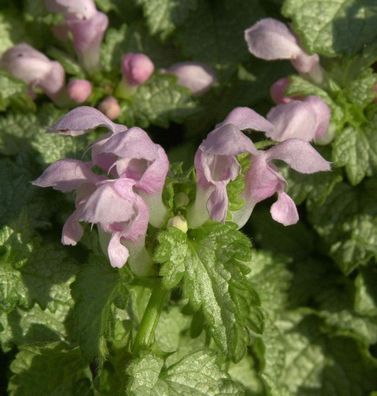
x=139 y=159
x=67 y=175
x=83 y=119
x=88 y=33
x=270 y=39
x=295 y=119
x=246 y=118
x=299 y=155
x=227 y=140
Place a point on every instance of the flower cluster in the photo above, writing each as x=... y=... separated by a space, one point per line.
x=293 y=125
x=124 y=197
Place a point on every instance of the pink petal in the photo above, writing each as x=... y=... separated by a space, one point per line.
x=278 y=89
x=74 y=8
x=270 y=39
x=111 y=202
x=218 y=203
x=66 y=175
x=83 y=119
x=227 y=140
x=72 y=230
x=284 y=210
x=118 y=253
x=245 y=118
x=262 y=181
x=305 y=63
x=299 y=155
x=295 y=119
x=323 y=115
x=53 y=82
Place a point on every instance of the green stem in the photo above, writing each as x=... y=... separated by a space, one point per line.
x=145 y=335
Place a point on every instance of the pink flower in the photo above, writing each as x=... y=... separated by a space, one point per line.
x=216 y=163
x=79 y=90
x=263 y=179
x=116 y=201
x=136 y=68
x=86 y=25
x=197 y=77
x=270 y=39
x=31 y=66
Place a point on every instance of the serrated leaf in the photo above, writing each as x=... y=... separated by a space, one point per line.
x=159 y=101
x=348 y=224
x=171 y=253
x=162 y=16
x=360 y=90
x=215 y=282
x=11 y=30
x=52 y=370
x=335 y=27
x=14 y=93
x=95 y=290
x=356 y=150
x=197 y=374
x=319 y=363
x=33 y=326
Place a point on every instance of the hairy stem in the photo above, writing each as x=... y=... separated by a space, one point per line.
x=145 y=335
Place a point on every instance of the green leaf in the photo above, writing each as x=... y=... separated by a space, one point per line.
x=270 y=276
x=360 y=90
x=11 y=30
x=197 y=374
x=169 y=328
x=214 y=33
x=335 y=27
x=13 y=92
x=33 y=326
x=319 y=363
x=162 y=16
x=158 y=102
x=51 y=370
x=95 y=291
x=171 y=253
x=16 y=190
x=356 y=150
x=366 y=292
x=348 y=224
x=215 y=282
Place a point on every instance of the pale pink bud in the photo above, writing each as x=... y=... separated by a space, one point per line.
x=137 y=68
x=110 y=107
x=31 y=66
x=197 y=77
x=79 y=90
x=83 y=9
x=277 y=91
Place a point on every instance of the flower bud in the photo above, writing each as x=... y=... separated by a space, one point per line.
x=197 y=77
x=79 y=90
x=31 y=66
x=110 y=107
x=178 y=222
x=136 y=68
x=277 y=91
